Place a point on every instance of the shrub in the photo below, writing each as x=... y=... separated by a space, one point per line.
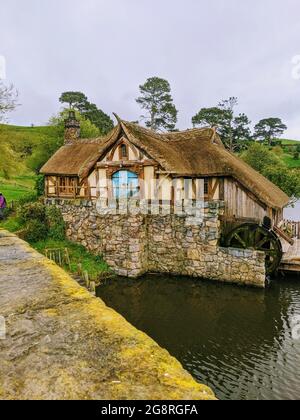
x=28 y=198
x=32 y=211
x=35 y=231
x=41 y=222
x=40 y=185
x=56 y=224
x=296 y=155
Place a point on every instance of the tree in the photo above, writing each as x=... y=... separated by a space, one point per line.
x=209 y=117
x=73 y=99
x=234 y=130
x=8 y=99
x=269 y=129
x=79 y=101
x=156 y=99
x=270 y=165
x=241 y=131
x=259 y=157
x=97 y=117
x=8 y=102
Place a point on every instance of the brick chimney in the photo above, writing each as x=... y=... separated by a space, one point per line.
x=72 y=128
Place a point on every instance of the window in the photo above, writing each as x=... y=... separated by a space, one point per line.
x=123 y=151
x=125 y=184
x=67 y=186
x=206 y=187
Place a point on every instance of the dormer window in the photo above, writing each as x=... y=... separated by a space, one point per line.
x=123 y=152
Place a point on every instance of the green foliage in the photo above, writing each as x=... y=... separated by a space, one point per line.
x=26 y=198
x=268 y=129
x=273 y=168
x=290 y=162
x=32 y=211
x=156 y=99
x=296 y=155
x=9 y=163
x=12 y=224
x=32 y=217
x=55 y=223
x=40 y=185
x=35 y=231
x=278 y=151
x=41 y=222
x=259 y=157
x=89 y=111
x=286 y=179
x=234 y=130
x=87 y=129
x=212 y=117
x=93 y=264
x=73 y=99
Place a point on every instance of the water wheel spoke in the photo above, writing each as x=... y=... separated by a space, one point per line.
x=240 y=240
x=263 y=242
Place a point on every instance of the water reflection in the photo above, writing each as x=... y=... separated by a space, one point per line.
x=236 y=340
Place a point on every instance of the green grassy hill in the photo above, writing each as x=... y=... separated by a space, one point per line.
x=29 y=148
x=286 y=142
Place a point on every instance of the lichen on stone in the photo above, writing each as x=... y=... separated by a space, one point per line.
x=63 y=343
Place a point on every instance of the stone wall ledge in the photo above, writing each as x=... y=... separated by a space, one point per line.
x=64 y=344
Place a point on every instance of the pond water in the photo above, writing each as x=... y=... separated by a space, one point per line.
x=236 y=340
x=293 y=213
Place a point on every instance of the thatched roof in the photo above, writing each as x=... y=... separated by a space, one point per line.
x=79 y=158
x=194 y=153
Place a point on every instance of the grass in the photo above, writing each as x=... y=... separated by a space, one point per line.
x=17 y=187
x=93 y=264
x=287 y=142
x=290 y=161
x=11 y=224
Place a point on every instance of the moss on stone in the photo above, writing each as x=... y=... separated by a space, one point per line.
x=63 y=343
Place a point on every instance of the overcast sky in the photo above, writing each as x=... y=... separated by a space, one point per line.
x=207 y=49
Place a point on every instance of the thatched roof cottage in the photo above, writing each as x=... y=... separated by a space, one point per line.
x=132 y=155
x=160 y=173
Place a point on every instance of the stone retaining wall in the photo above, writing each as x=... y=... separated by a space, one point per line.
x=177 y=244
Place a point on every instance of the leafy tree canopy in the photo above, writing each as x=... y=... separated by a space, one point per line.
x=234 y=130
x=268 y=129
x=79 y=101
x=157 y=101
x=73 y=99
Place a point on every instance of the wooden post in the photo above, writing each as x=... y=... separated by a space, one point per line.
x=93 y=287
x=67 y=258
x=60 y=258
x=86 y=279
x=79 y=269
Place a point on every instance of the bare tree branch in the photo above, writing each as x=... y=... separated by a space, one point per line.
x=8 y=100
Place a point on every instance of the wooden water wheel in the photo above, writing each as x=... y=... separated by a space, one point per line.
x=254 y=236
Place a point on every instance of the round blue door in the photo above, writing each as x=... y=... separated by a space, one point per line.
x=125 y=184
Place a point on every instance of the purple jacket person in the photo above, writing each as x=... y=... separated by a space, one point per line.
x=3 y=205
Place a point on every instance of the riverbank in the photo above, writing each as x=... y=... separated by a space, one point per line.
x=238 y=341
x=62 y=343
